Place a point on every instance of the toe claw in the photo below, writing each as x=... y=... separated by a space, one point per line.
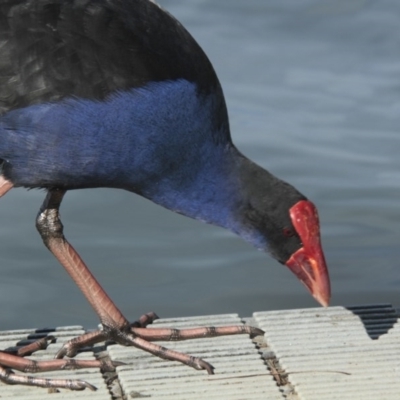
x=208 y=367
x=200 y=364
x=256 y=332
x=118 y=363
x=51 y=339
x=82 y=385
x=61 y=353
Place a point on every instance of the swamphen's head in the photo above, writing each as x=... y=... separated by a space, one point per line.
x=276 y=218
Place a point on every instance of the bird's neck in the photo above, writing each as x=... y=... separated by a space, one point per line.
x=179 y=155
x=221 y=193
x=208 y=192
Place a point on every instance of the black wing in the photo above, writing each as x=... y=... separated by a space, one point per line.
x=51 y=49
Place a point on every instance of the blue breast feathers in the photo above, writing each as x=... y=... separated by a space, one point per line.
x=163 y=141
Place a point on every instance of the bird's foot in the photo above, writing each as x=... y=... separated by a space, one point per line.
x=138 y=334
x=15 y=360
x=10 y=377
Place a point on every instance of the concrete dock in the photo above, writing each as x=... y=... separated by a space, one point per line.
x=309 y=354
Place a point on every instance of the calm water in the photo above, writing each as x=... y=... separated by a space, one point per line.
x=313 y=90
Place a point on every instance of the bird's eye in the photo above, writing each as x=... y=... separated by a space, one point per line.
x=288 y=232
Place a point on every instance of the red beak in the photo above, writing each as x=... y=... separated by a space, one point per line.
x=308 y=263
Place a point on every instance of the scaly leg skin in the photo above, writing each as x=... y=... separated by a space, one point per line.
x=40 y=344
x=8 y=376
x=26 y=365
x=16 y=361
x=115 y=326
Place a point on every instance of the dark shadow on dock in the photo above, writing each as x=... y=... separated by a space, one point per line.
x=377 y=319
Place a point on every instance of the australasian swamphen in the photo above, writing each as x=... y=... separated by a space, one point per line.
x=117 y=94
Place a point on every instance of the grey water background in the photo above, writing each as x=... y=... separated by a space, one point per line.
x=313 y=91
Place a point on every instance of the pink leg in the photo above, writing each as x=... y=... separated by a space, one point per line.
x=144 y=320
x=8 y=376
x=31 y=348
x=168 y=354
x=115 y=326
x=154 y=334
x=71 y=347
x=27 y=365
x=50 y=228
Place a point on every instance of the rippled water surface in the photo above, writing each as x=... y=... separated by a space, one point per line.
x=313 y=91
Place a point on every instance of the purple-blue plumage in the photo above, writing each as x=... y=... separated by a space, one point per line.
x=116 y=93
x=112 y=93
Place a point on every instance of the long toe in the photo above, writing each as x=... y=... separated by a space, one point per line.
x=10 y=377
x=200 y=364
